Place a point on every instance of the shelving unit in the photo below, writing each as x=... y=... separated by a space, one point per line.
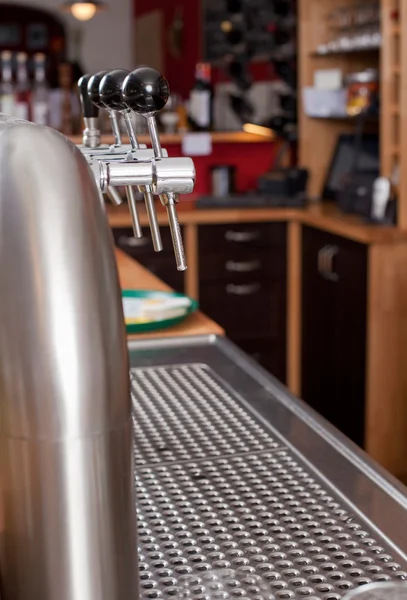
x=318 y=136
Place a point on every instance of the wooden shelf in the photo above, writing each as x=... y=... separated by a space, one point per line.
x=218 y=137
x=370 y=118
x=343 y=52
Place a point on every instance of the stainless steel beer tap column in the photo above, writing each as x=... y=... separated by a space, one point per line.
x=67 y=508
x=110 y=90
x=146 y=92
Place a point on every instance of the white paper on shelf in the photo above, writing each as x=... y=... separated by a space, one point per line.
x=197 y=144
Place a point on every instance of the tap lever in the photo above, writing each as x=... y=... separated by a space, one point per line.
x=110 y=93
x=170 y=201
x=94 y=95
x=146 y=92
x=91 y=133
x=89 y=109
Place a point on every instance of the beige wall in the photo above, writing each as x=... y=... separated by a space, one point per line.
x=107 y=40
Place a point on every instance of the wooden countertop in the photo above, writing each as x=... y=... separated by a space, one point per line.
x=320 y=215
x=133 y=275
x=218 y=137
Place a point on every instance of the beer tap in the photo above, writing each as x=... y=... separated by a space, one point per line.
x=93 y=93
x=91 y=133
x=112 y=100
x=148 y=169
x=146 y=92
x=110 y=90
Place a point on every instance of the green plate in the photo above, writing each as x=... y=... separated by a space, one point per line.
x=134 y=300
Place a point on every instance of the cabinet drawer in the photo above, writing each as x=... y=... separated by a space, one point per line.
x=241 y=236
x=125 y=240
x=247 y=309
x=268 y=354
x=263 y=264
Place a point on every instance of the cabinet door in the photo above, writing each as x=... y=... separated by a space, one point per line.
x=242 y=286
x=334 y=301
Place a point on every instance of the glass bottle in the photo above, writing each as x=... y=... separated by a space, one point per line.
x=22 y=89
x=40 y=93
x=7 y=98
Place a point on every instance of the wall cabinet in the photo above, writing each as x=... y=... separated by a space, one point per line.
x=334 y=314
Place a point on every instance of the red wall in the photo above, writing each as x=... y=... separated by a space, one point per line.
x=250 y=160
x=179 y=72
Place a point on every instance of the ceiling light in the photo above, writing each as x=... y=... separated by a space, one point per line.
x=83 y=10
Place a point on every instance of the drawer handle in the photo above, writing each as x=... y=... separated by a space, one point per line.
x=241 y=236
x=322 y=261
x=242 y=267
x=330 y=274
x=243 y=290
x=132 y=242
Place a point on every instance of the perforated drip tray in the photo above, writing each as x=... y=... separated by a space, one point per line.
x=215 y=490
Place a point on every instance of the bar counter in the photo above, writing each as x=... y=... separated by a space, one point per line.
x=133 y=276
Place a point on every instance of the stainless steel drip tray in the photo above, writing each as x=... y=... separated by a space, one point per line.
x=232 y=471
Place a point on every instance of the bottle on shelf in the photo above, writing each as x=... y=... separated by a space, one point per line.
x=22 y=89
x=7 y=98
x=40 y=93
x=201 y=99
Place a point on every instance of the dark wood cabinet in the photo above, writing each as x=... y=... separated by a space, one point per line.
x=334 y=307
x=242 y=286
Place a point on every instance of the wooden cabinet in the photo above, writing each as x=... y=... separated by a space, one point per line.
x=161 y=263
x=334 y=317
x=242 y=286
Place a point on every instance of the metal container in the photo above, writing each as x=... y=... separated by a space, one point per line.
x=223 y=180
x=67 y=516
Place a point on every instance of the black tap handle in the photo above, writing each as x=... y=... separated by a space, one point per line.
x=88 y=108
x=93 y=88
x=145 y=91
x=110 y=89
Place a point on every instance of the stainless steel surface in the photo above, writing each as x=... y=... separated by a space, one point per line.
x=114 y=196
x=124 y=174
x=174 y=175
x=66 y=493
x=232 y=472
x=152 y=218
x=177 y=181
x=154 y=135
x=130 y=129
x=135 y=219
x=146 y=190
x=115 y=127
x=91 y=134
x=176 y=236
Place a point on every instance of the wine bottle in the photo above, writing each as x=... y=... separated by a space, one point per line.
x=201 y=99
x=22 y=90
x=40 y=94
x=7 y=98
